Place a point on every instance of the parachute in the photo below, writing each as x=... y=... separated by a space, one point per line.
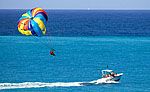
x=33 y=22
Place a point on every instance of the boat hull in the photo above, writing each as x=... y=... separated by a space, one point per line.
x=116 y=77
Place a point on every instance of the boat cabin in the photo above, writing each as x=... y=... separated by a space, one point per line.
x=107 y=73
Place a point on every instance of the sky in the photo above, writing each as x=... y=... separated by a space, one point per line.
x=77 y=4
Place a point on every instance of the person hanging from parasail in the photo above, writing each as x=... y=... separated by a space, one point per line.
x=52 y=52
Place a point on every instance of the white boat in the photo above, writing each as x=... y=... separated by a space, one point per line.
x=110 y=75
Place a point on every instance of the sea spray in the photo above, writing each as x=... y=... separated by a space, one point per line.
x=55 y=84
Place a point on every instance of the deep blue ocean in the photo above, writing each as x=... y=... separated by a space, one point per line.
x=85 y=42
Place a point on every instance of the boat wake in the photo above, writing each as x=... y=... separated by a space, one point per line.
x=55 y=84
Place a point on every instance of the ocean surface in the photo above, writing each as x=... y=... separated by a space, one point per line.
x=84 y=22
x=85 y=42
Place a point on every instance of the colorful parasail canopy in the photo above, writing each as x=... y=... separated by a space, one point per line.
x=33 y=22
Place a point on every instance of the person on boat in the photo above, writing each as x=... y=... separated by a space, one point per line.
x=112 y=74
x=52 y=52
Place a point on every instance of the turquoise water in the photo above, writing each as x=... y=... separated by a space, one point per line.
x=78 y=59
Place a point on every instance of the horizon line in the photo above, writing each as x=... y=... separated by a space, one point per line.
x=68 y=9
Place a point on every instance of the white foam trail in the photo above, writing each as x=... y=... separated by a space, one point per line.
x=103 y=80
x=56 y=84
x=37 y=85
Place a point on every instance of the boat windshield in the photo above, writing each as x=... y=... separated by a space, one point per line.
x=106 y=73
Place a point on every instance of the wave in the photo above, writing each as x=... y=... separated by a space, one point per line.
x=55 y=84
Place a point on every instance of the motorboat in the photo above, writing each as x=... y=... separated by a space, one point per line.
x=110 y=75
